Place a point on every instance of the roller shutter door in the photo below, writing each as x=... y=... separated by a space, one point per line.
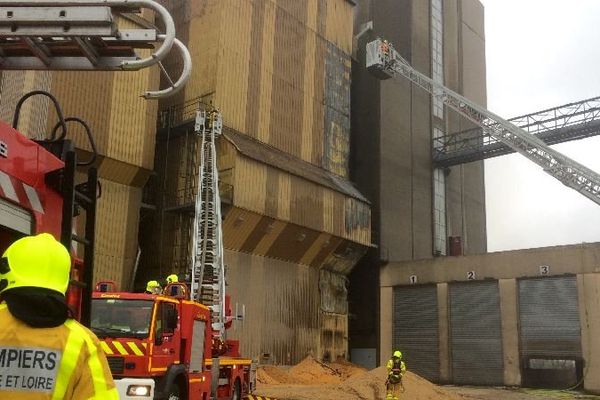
x=15 y=218
x=476 y=333
x=549 y=331
x=415 y=329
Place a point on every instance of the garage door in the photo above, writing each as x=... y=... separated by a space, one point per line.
x=476 y=333
x=415 y=329
x=550 y=337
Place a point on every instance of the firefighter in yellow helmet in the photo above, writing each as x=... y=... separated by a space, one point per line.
x=173 y=278
x=47 y=355
x=153 y=287
x=396 y=369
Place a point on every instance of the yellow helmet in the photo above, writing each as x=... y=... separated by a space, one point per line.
x=151 y=286
x=173 y=278
x=398 y=354
x=36 y=261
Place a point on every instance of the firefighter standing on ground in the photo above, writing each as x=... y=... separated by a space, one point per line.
x=396 y=369
x=44 y=354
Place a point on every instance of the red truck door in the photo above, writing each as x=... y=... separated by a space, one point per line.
x=165 y=349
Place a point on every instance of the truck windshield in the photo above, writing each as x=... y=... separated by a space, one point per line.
x=117 y=318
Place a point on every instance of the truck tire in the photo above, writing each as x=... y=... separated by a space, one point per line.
x=175 y=393
x=237 y=391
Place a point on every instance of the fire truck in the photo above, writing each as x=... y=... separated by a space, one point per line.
x=173 y=345
x=38 y=187
x=170 y=345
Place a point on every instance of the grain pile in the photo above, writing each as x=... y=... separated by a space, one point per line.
x=312 y=380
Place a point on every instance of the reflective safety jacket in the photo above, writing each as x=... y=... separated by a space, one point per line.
x=396 y=369
x=65 y=362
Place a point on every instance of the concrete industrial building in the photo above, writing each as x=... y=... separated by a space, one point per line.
x=294 y=226
x=415 y=208
x=337 y=228
x=512 y=318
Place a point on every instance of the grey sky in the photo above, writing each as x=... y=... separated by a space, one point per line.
x=540 y=54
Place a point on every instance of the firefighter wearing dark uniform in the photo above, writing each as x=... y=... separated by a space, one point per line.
x=396 y=369
x=43 y=353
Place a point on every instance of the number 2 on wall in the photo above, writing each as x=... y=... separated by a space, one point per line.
x=471 y=275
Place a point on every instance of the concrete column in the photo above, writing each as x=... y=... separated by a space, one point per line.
x=443 y=329
x=385 y=324
x=510 y=331
x=588 y=286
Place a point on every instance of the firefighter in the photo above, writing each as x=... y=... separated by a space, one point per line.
x=48 y=355
x=173 y=278
x=153 y=287
x=396 y=369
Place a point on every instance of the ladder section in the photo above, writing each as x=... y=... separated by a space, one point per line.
x=560 y=124
x=85 y=35
x=208 y=271
x=385 y=62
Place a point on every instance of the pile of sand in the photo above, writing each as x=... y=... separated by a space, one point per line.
x=312 y=380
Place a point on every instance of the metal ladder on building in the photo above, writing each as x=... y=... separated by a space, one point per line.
x=76 y=35
x=385 y=62
x=208 y=270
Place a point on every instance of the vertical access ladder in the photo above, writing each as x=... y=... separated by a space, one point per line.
x=208 y=270
x=385 y=62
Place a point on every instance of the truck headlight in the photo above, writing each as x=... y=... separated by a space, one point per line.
x=138 y=390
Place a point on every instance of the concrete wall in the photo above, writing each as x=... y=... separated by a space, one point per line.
x=391 y=145
x=506 y=267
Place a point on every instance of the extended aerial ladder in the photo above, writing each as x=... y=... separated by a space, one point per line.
x=85 y=35
x=385 y=62
x=208 y=270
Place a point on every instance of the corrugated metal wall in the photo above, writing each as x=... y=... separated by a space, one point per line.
x=280 y=73
x=282 y=307
x=415 y=329
x=277 y=194
x=476 y=333
x=123 y=125
x=117 y=222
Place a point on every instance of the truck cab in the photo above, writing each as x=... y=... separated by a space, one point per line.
x=161 y=347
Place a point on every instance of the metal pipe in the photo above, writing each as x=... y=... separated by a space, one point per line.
x=185 y=75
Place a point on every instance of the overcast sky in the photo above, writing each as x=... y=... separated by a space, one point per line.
x=540 y=54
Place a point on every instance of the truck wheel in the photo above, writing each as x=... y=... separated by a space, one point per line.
x=174 y=393
x=237 y=395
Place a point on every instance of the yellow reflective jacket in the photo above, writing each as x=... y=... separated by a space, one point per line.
x=65 y=362
x=391 y=371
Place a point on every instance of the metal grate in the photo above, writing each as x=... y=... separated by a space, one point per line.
x=116 y=365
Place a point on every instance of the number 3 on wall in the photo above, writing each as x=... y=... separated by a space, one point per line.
x=471 y=275
x=544 y=270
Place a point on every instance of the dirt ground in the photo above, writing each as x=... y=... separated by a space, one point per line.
x=313 y=380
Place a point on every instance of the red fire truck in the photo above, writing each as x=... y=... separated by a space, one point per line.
x=38 y=193
x=175 y=346
x=164 y=347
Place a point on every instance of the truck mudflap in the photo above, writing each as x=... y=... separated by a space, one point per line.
x=135 y=388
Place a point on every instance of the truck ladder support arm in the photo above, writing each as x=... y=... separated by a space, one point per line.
x=385 y=62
